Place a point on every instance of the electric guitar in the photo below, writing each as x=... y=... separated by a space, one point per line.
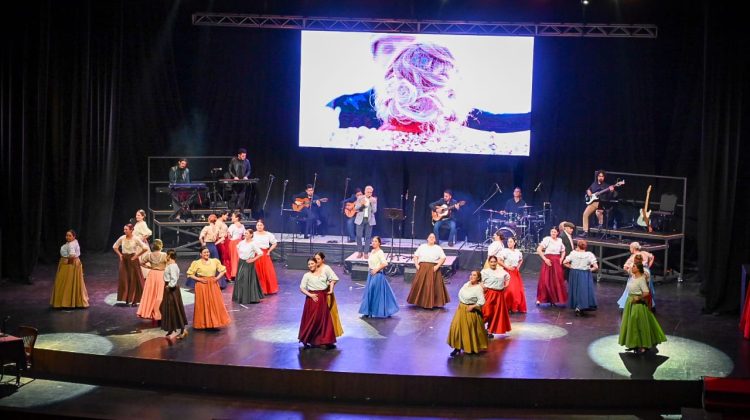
x=302 y=203
x=644 y=220
x=444 y=211
x=595 y=196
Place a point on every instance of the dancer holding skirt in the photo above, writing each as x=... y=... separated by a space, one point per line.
x=332 y=279
x=495 y=312
x=378 y=300
x=639 y=330
x=581 y=263
x=316 y=326
x=266 y=273
x=467 y=331
x=130 y=281
x=69 y=290
x=428 y=288
x=551 y=287
x=246 y=286
x=153 y=289
x=511 y=260
x=209 y=310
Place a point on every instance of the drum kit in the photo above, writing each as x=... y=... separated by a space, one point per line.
x=524 y=226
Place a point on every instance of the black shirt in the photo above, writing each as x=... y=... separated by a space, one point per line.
x=595 y=186
x=512 y=207
x=239 y=168
x=178 y=175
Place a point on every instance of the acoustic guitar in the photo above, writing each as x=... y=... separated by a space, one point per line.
x=300 y=204
x=444 y=211
x=644 y=220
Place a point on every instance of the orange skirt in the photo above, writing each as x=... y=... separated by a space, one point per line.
x=153 y=293
x=69 y=290
x=209 y=309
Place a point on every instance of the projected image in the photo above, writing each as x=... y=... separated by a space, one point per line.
x=422 y=93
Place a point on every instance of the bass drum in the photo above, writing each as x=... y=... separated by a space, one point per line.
x=507 y=232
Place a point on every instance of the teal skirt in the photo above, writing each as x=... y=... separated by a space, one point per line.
x=639 y=327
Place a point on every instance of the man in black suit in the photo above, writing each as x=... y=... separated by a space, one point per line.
x=566 y=234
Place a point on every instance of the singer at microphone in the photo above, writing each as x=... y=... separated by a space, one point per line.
x=515 y=204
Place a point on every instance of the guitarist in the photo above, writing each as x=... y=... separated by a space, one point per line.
x=311 y=211
x=595 y=187
x=366 y=207
x=350 y=213
x=448 y=203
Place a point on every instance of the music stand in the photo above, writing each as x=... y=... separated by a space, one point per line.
x=606 y=206
x=393 y=214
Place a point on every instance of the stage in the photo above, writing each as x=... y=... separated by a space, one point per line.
x=550 y=359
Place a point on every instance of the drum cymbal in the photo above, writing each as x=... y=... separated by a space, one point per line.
x=491 y=211
x=525 y=206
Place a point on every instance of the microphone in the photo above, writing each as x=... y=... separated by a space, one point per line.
x=286 y=181
x=348 y=179
x=538 y=186
x=498 y=188
x=415 y=198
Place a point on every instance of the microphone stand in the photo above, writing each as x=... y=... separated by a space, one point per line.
x=413 y=213
x=479 y=219
x=283 y=222
x=312 y=203
x=341 y=218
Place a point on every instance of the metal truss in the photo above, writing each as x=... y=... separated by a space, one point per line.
x=588 y=30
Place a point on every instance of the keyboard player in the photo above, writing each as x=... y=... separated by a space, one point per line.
x=178 y=174
x=239 y=168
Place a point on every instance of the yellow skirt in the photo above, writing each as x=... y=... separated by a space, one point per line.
x=69 y=290
x=334 y=308
x=467 y=331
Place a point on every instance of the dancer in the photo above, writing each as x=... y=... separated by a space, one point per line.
x=639 y=330
x=153 y=290
x=467 y=331
x=247 y=288
x=495 y=311
x=316 y=326
x=69 y=290
x=428 y=288
x=172 y=310
x=222 y=243
x=551 y=288
x=209 y=310
x=264 y=266
x=140 y=229
x=378 y=300
x=332 y=278
x=130 y=281
x=235 y=233
x=581 y=295
x=647 y=259
x=495 y=248
x=208 y=237
x=511 y=260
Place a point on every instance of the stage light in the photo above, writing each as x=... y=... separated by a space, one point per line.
x=677 y=359
x=536 y=331
x=188 y=298
x=585 y=2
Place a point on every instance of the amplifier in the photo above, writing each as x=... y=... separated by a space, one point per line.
x=297 y=260
x=359 y=272
x=409 y=272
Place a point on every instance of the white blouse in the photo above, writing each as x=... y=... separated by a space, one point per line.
x=141 y=230
x=429 y=253
x=637 y=285
x=376 y=259
x=580 y=260
x=210 y=233
x=264 y=240
x=511 y=257
x=171 y=274
x=313 y=282
x=495 y=249
x=471 y=294
x=129 y=246
x=247 y=250
x=495 y=279
x=329 y=273
x=236 y=232
x=550 y=246
x=70 y=249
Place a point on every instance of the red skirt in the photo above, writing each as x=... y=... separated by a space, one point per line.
x=130 y=281
x=495 y=312
x=745 y=317
x=551 y=287
x=515 y=295
x=316 y=326
x=226 y=260
x=234 y=262
x=267 y=274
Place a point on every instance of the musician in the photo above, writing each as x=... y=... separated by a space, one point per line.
x=312 y=211
x=515 y=204
x=178 y=174
x=595 y=187
x=239 y=168
x=451 y=205
x=366 y=207
x=350 y=230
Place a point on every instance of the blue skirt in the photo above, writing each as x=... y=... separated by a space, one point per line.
x=378 y=300
x=624 y=298
x=581 y=290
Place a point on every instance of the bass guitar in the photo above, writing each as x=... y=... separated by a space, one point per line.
x=595 y=196
x=300 y=204
x=444 y=211
x=644 y=220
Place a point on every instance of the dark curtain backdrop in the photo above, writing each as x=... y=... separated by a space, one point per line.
x=90 y=89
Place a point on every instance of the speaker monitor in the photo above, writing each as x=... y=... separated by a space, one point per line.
x=409 y=272
x=359 y=272
x=297 y=261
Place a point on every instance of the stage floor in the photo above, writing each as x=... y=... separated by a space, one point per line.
x=545 y=343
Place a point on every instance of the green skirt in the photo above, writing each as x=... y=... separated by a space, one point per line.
x=467 y=331
x=639 y=327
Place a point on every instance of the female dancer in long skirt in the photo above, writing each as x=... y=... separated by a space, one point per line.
x=428 y=288
x=495 y=248
x=208 y=237
x=647 y=259
x=332 y=278
x=316 y=326
x=495 y=312
x=235 y=234
x=467 y=331
x=551 y=288
x=172 y=310
x=130 y=282
x=511 y=260
x=639 y=330
x=209 y=310
x=153 y=289
x=69 y=290
x=140 y=229
x=378 y=300
x=266 y=273
x=581 y=295
x=222 y=244
x=246 y=286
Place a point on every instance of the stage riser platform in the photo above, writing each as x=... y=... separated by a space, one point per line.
x=365 y=387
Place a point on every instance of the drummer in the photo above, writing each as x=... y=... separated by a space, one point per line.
x=515 y=204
